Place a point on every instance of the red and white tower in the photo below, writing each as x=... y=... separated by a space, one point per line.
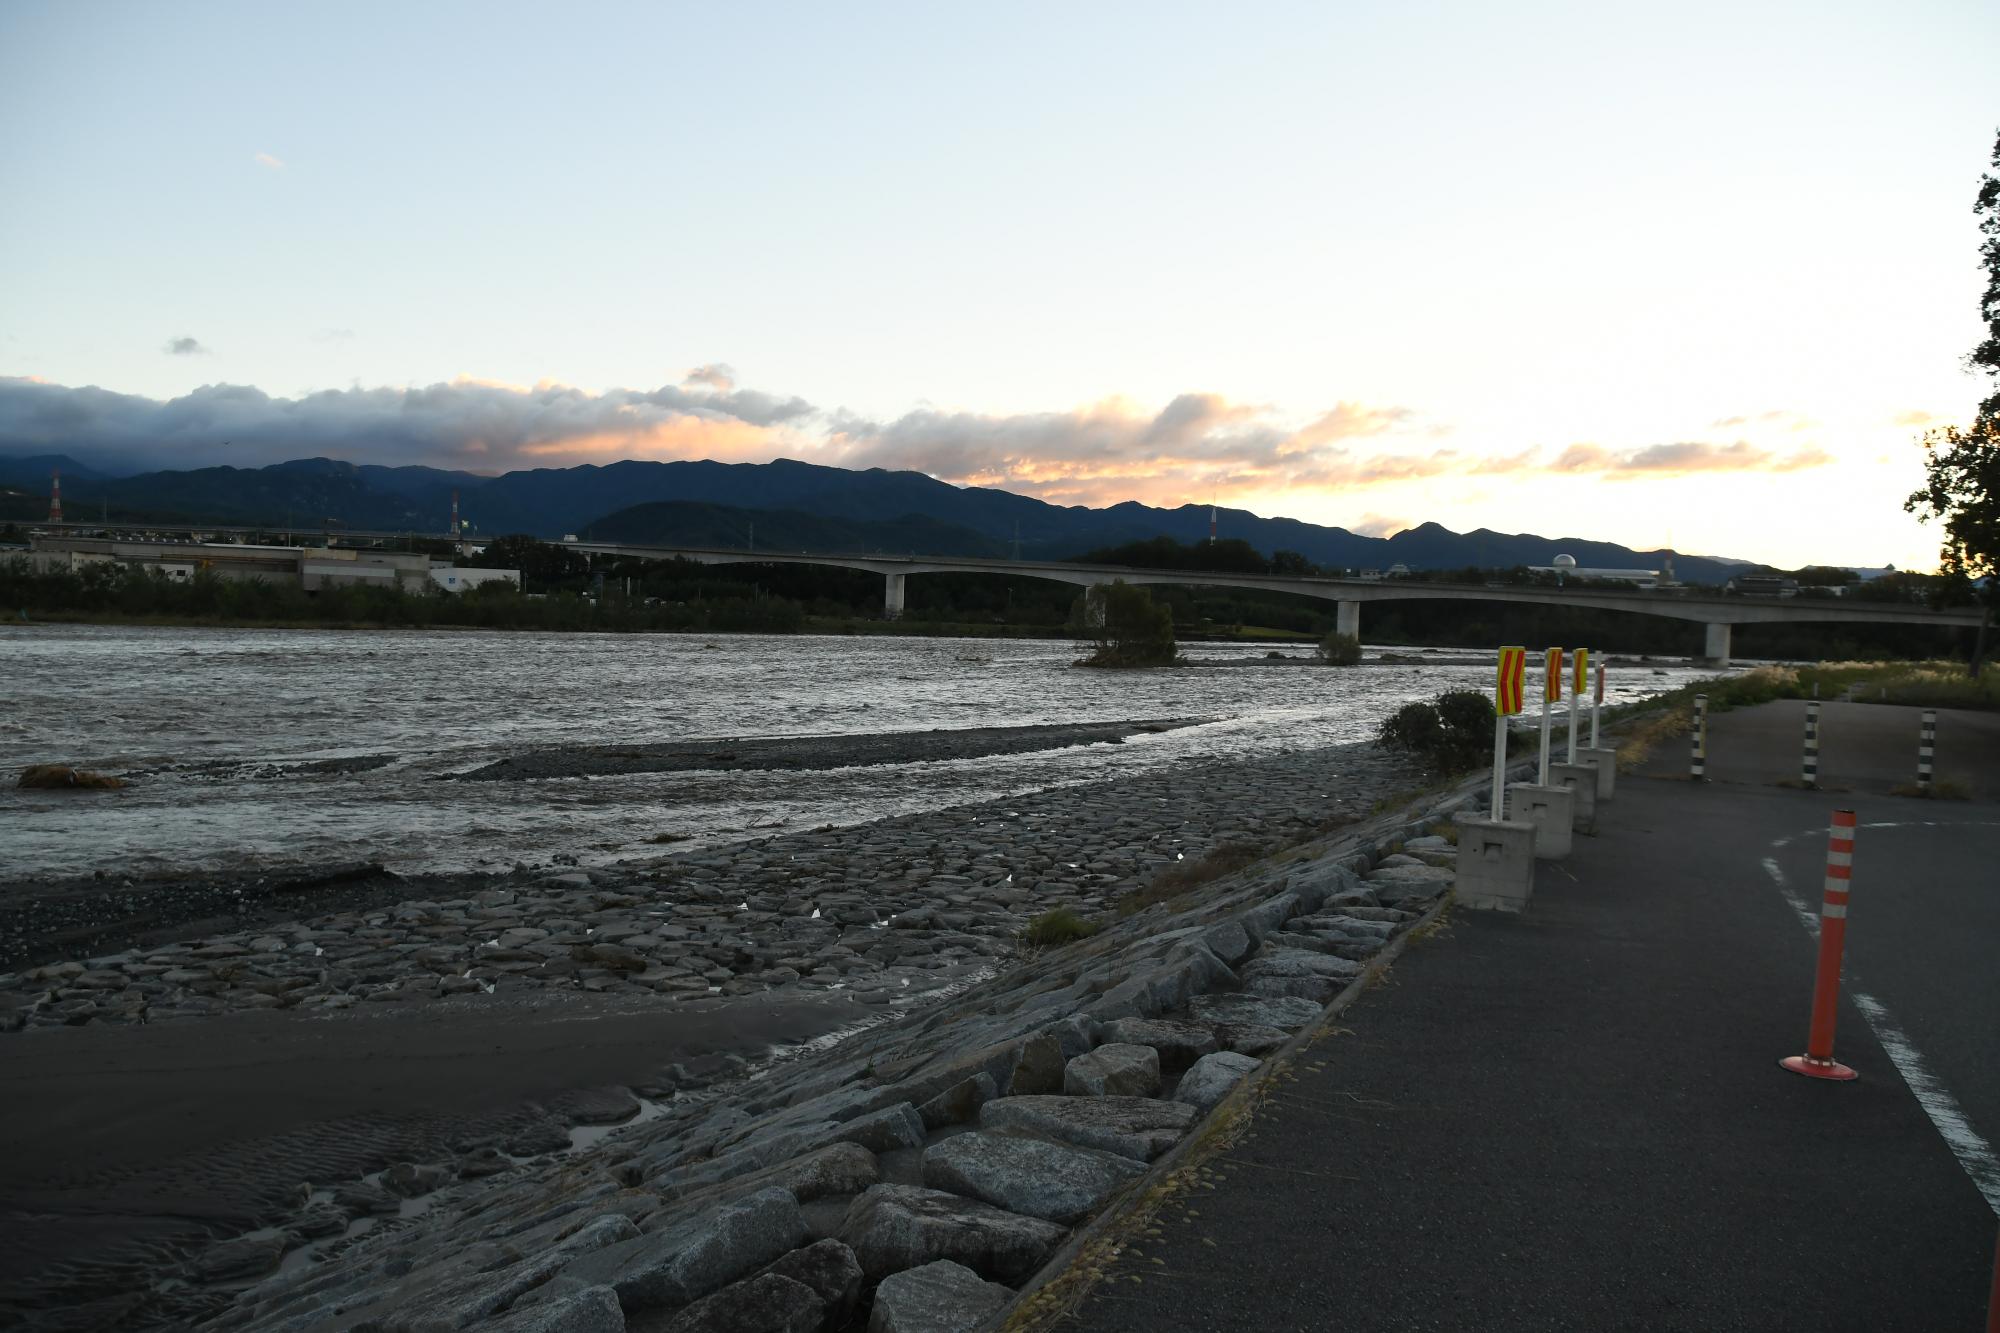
x=454 y=515
x=55 y=496
x=1211 y=525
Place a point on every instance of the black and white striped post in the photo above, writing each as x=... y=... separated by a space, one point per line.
x=1810 y=772
x=1698 y=741
x=1926 y=743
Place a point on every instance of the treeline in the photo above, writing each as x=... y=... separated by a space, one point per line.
x=123 y=592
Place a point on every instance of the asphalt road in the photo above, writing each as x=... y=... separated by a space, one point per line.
x=1574 y=1119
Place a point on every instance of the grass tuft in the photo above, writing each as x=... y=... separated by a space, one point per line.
x=1183 y=877
x=1058 y=927
x=1944 y=789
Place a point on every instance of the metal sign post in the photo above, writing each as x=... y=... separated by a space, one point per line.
x=1552 y=692
x=1579 y=677
x=1596 y=702
x=1510 y=694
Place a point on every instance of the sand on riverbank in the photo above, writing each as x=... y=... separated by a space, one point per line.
x=810 y=753
x=129 y=1145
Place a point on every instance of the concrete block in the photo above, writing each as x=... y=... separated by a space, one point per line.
x=1581 y=779
x=1606 y=761
x=1496 y=864
x=1550 y=811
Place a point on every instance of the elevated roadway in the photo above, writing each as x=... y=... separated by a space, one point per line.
x=1718 y=614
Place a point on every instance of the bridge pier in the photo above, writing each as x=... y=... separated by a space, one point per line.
x=1093 y=605
x=1347 y=619
x=1715 y=652
x=892 y=596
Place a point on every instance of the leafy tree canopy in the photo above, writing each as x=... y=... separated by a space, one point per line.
x=539 y=562
x=1962 y=465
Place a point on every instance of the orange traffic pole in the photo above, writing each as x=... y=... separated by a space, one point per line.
x=1818 y=1061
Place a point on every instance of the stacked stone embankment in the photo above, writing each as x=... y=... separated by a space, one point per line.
x=875 y=910
x=917 y=1175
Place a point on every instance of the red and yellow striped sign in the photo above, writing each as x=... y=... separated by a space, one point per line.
x=1552 y=681
x=1510 y=696
x=1579 y=679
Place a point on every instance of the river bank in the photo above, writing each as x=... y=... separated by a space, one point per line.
x=833 y=927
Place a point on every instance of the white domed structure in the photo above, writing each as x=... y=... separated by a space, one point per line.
x=1564 y=562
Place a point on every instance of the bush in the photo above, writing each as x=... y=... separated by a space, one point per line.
x=1060 y=926
x=1134 y=633
x=1451 y=733
x=1338 y=649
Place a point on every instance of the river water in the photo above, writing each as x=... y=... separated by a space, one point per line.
x=236 y=737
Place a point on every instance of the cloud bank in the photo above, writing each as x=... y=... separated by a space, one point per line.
x=1197 y=447
x=183 y=346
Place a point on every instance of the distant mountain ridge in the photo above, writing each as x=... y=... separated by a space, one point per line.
x=804 y=505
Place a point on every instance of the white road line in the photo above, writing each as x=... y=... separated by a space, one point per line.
x=1974 y=1153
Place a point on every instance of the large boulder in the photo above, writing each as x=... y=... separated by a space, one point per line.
x=804 y=1291
x=1211 y=1079
x=684 y=1262
x=1299 y=963
x=1113 y=1071
x=831 y=1270
x=1039 y=1067
x=940 y=1297
x=893 y=1227
x=1179 y=1044
x=765 y=1303
x=1054 y=1181
x=1135 y=1127
x=591 y=1310
x=892 y=1127
x=958 y=1103
x=838 y=1168
x=1255 y=1010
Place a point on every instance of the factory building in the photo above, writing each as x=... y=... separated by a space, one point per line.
x=310 y=568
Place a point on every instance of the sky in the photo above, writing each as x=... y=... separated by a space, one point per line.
x=1696 y=276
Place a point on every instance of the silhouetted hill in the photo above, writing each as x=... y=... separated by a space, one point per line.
x=677 y=523
x=794 y=496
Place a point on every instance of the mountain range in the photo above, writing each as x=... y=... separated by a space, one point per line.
x=792 y=505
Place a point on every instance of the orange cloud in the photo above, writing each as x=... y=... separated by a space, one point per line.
x=1684 y=458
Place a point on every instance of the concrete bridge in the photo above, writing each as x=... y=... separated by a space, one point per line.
x=1718 y=614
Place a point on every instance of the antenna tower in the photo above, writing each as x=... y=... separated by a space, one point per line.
x=55 y=495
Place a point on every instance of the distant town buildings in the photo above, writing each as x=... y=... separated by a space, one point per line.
x=1565 y=567
x=310 y=568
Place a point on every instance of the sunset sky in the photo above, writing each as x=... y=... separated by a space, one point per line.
x=1695 y=275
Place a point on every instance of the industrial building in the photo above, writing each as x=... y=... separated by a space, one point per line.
x=310 y=568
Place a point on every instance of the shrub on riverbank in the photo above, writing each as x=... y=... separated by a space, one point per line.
x=1452 y=733
x=1338 y=649
x=1134 y=632
x=1060 y=926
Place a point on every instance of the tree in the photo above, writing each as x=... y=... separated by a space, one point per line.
x=1134 y=631
x=1962 y=467
x=540 y=563
x=1338 y=649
